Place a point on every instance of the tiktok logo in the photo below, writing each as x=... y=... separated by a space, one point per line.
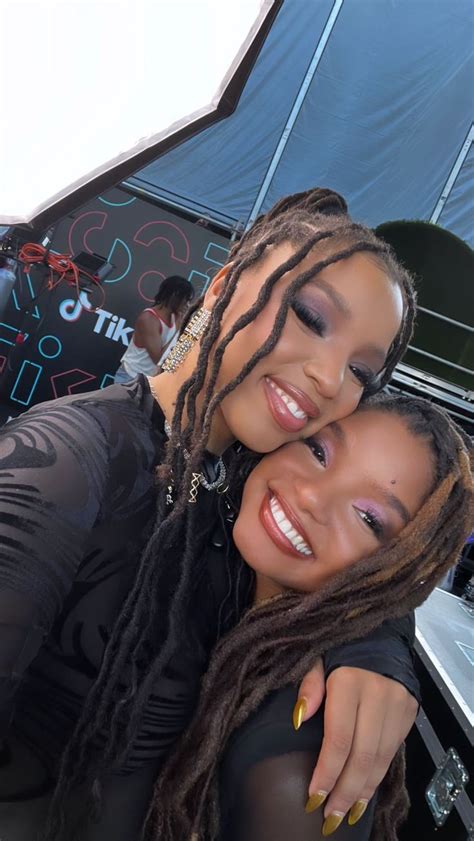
x=117 y=329
x=71 y=308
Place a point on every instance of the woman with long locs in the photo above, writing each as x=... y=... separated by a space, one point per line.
x=334 y=535
x=109 y=499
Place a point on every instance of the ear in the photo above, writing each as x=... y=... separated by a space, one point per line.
x=216 y=286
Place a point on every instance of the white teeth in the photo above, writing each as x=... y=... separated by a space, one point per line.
x=288 y=401
x=287 y=529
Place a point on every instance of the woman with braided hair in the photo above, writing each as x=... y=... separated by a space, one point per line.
x=338 y=533
x=109 y=498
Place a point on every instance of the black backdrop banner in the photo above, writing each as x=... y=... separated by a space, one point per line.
x=69 y=348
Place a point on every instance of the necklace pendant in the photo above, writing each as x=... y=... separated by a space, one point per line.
x=193 y=490
x=169 y=495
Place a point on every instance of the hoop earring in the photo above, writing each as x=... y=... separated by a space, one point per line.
x=191 y=334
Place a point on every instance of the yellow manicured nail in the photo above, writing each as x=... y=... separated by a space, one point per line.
x=315 y=801
x=299 y=713
x=357 y=811
x=332 y=822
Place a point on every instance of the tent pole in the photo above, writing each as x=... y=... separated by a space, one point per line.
x=297 y=105
x=450 y=181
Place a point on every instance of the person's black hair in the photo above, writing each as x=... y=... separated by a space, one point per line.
x=174 y=289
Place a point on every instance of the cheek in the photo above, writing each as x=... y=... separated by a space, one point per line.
x=351 y=397
x=241 y=533
x=251 y=541
x=244 y=345
x=339 y=408
x=246 y=524
x=238 y=533
x=346 y=545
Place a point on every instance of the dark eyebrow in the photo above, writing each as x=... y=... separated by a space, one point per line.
x=390 y=498
x=394 y=503
x=338 y=432
x=343 y=307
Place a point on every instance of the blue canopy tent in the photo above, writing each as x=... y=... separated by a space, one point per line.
x=371 y=98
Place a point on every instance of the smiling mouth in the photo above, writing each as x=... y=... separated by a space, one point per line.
x=281 y=529
x=289 y=406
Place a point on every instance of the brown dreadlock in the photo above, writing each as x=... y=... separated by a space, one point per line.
x=276 y=643
x=150 y=622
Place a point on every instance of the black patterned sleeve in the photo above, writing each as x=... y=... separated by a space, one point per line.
x=53 y=468
x=388 y=650
x=265 y=775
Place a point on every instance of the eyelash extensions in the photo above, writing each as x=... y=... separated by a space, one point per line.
x=366 y=378
x=317 y=449
x=372 y=521
x=311 y=319
x=318 y=325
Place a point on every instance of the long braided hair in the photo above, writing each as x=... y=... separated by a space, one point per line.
x=153 y=614
x=276 y=643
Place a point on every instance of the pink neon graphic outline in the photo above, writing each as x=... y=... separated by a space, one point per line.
x=160 y=275
x=99 y=227
x=156 y=223
x=88 y=378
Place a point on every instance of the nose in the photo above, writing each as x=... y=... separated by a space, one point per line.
x=327 y=372
x=313 y=498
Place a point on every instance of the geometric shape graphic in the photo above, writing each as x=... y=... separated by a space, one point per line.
x=82 y=227
x=467 y=607
x=26 y=382
x=467 y=650
x=216 y=254
x=168 y=233
x=127 y=256
x=11 y=339
x=107 y=379
x=50 y=353
x=118 y=203
x=15 y=301
x=199 y=280
x=35 y=312
x=148 y=294
x=68 y=381
x=33 y=295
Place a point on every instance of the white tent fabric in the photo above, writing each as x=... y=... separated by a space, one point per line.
x=95 y=87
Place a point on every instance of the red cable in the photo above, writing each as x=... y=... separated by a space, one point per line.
x=60 y=265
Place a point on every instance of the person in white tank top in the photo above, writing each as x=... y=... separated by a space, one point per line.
x=156 y=330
